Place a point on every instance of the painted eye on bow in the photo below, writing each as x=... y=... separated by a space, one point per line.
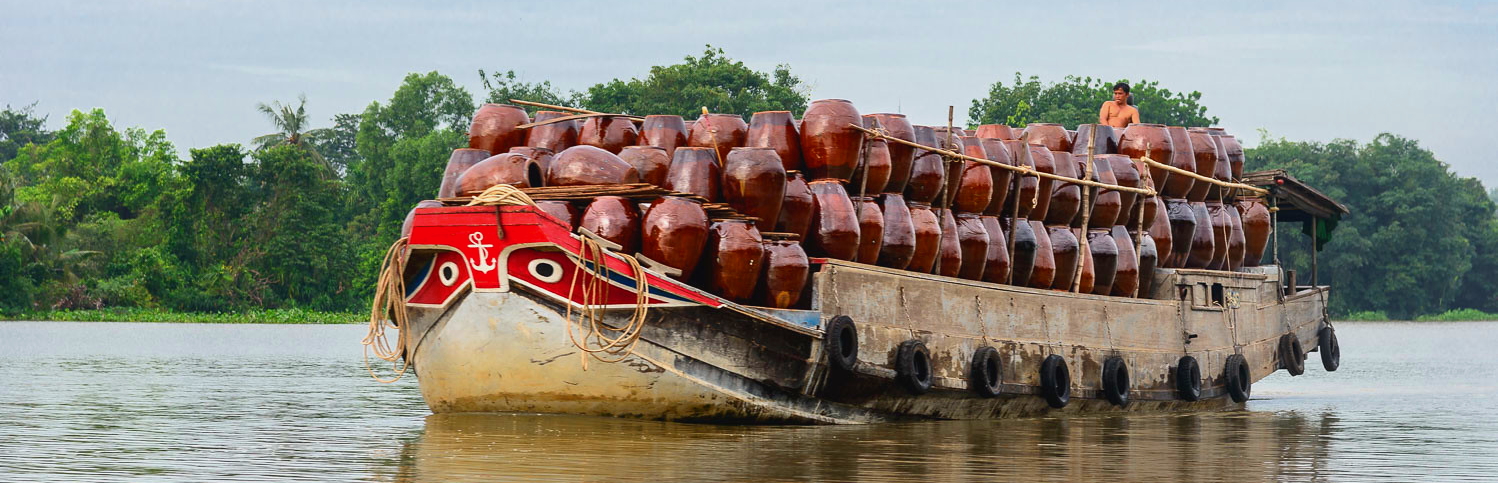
x=448 y=273
x=545 y=270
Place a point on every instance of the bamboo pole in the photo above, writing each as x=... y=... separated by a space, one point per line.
x=570 y=109
x=946 y=198
x=1189 y=174
x=1087 y=201
x=572 y=117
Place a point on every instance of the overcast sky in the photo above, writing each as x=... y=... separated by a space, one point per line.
x=1301 y=70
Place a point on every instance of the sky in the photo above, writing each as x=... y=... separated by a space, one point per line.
x=1301 y=70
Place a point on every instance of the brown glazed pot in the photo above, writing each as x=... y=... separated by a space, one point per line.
x=459 y=162
x=493 y=128
x=695 y=170
x=674 y=233
x=614 y=219
x=953 y=169
x=1237 y=239
x=580 y=165
x=664 y=131
x=563 y=211
x=611 y=134
x=927 y=231
x=900 y=156
x=878 y=165
x=651 y=161
x=1221 y=232
x=898 y=245
x=1052 y=136
x=1206 y=151
x=1202 y=247
x=949 y=258
x=1104 y=139
x=1125 y=174
x=870 y=229
x=735 y=254
x=1149 y=259
x=796 y=207
x=975 y=183
x=972 y=237
x=556 y=136
x=1087 y=275
x=1163 y=233
x=926 y=173
x=723 y=131
x=1019 y=153
x=1126 y=270
x=995 y=131
x=1182 y=218
x=1108 y=204
x=508 y=168
x=1022 y=254
x=786 y=269
x=1044 y=163
x=834 y=224
x=1183 y=157
x=776 y=129
x=996 y=269
x=754 y=184
x=1235 y=155
x=410 y=220
x=1223 y=171
x=541 y=156
x=1256 y=229
x=1043 y=271
x=1138 y=137
x=1105 y=260
x=1066 y=199
x=1065 y=247
x=1002 y=178
x=829 y=142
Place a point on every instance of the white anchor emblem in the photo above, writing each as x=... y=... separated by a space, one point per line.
x=485 y=263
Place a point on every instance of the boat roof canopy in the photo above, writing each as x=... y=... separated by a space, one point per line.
x=1296 y=200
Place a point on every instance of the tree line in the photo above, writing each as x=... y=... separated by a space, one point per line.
x=93 y=215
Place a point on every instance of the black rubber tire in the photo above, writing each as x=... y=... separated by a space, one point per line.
x=1292 y=355
x=1116 y=381
x=840 y=341
x=1331 y=351
x=1188 y=379
x=987 y=376
x=1237 y=377
x=1055 y=381
x=913 y=367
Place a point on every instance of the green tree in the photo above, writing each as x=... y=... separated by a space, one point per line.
x=712 y=80
x=19 y=127
x=1076 y=100
x=338 y=145
x=296 y=234
x=504 y=87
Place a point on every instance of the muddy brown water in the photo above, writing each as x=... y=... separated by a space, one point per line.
x=181 y=402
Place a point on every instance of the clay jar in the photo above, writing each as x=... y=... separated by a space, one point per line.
x=997 y=153
x=459 y=162
x=614 y=219
x=609 y=133
x=754 y=184
x=1022 y=254
x=695 y=170
x=1183 y=157
x=975 y=186
x=1065 y=247
x=1138 y=137
x=1044 y=163
x=785 y=271
x=1235 y=155
x=663 y=131
x=541 y=156
x=1224 y=169
x=1206 y=154
x=1124 y=174
x=1164 y=234
x=1105 y=254
x=876 y=164
x=674 y=233
x=563 y=211
x=953 y=167
x=734 y=255
x=900 y=155
x=556 y=136
x=1236 y=239
x=1066 y=199
x=1052 y=136
x=1256 y=229
x=651 y=161
x=1019 y=153
x=796 y=207
x=995 y=131
x=776 y=130
x=1202 y=246
x=834 y=225
x=870 y=229
x=898 y=245
x=949 y=255
x=721 y=131
x=509 y=168
x=1182 y=219
x=1104 y=140
x=996 y=270
x=1126 y=268
x=1149 y=258
x=493 y=128
x=927 y=231
x=926 y=173
x=1043 y=271
x=410 y=220
x=1221 y=232
x=583 y=165
x=972 y=237
x=1108 y=203
x=829 y=142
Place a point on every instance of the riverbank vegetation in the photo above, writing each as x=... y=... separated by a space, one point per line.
x=103 y=222
x=249 y=316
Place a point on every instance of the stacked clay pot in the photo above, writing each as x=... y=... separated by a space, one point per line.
x=459 y=162
x=972 y=238
x=1207 y=154
x=900 y=155
x=652 y=162
x=785 y=273
x=541 y=156
x=563 y=211
x=873 y=174
x=926 y=171
x=584 y=165
x=1235 y=155
x=1066 y=198
x=776 y=130
x=494 y=128
x=870 y=229
x=721 y=131
x=834 y=229
x=556 y=136
x=695 y=170
x=674 y=233
x=1023 y=253
x=1044 y=163
x=1104 y=140
x=897 y=248
x=1002 y=178
x=830 y=143
x=1237 y=239
x=1126 y=270
x=734 y=255
x=1161 y=231
x=975 y=182
x=1024 y=191
x=949 y=256
x=995 y=131
x=508 y=168
x=1043 y=271
x=1141 y=140
x=1256 y=229
x=997 y=260
x=1149 y=258
x=1221 y=233
x=1105 y=254
x=1181 y=229
x=1182 y=157
x=664 y=131
x=610 y=133
x=796 y=206
x=1065 y=248
x=1203 y=246
x=754 y=184
x=1052 y=136
x=614 y=219
x=927 y=229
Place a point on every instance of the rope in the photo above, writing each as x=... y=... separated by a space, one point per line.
x=502 y=194
x=389 y=312
x=601 y=341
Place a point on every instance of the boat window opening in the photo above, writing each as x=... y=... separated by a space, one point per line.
x=1219 y=296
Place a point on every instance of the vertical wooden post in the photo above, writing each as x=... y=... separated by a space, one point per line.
x=1314 y=222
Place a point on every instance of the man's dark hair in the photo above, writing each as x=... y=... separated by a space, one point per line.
x=1122 y=85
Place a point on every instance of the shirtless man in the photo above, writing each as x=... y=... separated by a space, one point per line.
x=1117 y=112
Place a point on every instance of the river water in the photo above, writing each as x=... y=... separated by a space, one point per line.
x=183 y=402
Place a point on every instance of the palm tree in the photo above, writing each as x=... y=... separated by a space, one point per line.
x=291 y=128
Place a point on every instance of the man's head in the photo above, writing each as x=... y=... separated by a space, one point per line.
x=1121 y=92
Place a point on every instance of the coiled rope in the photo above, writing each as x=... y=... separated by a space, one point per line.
x=389 y=312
